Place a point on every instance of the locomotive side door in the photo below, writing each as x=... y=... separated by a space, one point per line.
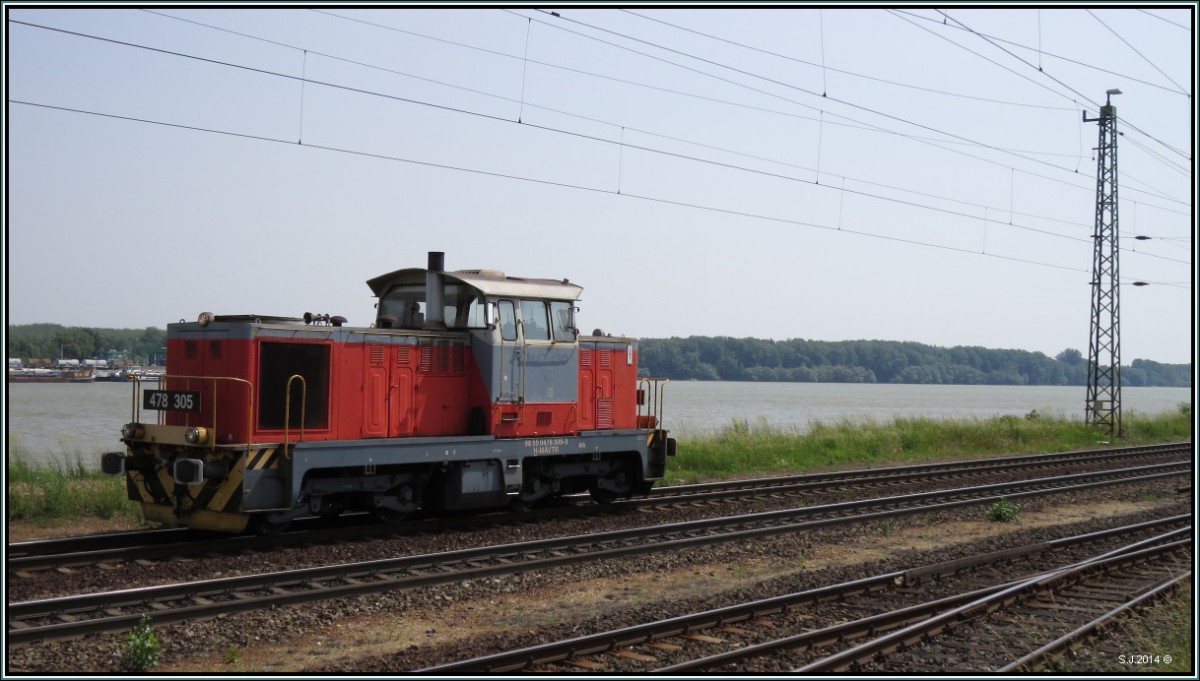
x=602 y=358
x=376 y=391
x=512 y=354
x=387 y=391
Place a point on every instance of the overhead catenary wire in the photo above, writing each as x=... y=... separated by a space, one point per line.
x=1169 y=163
x=826 y=67
x=565 y=185
x=1079 y=94
x=952 y=136
x=1042 y=52
x=1137 y=52
x=853 y=124
x=642 y=148
x=1028 y=79
x=1027 y=63
x=553 y=183
x=824 y=71
x=525 y=68
x=995 y=42
x=1152 y=14
x=623 y=145
x=659 y=88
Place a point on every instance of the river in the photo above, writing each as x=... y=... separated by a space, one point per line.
x=703 y=407
x=77 y=421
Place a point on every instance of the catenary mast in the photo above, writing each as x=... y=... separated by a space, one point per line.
x=1104 y=350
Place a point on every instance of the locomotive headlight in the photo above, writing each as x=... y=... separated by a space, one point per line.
x=205 y=318
x=132 y=431
x=195 y=435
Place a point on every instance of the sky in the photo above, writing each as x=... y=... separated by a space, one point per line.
x=859 y=172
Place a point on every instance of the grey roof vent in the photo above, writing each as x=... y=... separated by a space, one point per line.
x=490 y=274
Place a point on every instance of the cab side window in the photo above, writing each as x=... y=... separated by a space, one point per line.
x=508 y=321
x=533 y=316
x=563 y=320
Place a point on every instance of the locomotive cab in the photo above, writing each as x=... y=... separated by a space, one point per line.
x=523 y=342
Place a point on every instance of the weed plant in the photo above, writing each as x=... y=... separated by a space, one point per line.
x=64 y=488
x=1004 y=511
x=1173 y=639
x=142 y=646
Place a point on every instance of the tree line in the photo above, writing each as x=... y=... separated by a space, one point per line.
x=720 y=358
x=708 y=358
x=54 y=341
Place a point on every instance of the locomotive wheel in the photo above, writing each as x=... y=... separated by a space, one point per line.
x=259 y=524
x=602 y=496
x=607 y=495
x=389 y=516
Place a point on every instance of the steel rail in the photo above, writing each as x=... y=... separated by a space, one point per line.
x=78 y=551
x=39 y=548
x=1032 y=660
x=1018 y=591
x=998 y=463
x=646 y=633
x=214 y=596
x=924 y=614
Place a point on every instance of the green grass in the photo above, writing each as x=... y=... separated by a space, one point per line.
x=742 y=449
x=1174 y=637
x=63 y=489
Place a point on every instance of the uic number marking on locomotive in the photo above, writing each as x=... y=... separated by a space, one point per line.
x=171 y=400
x=550 y=445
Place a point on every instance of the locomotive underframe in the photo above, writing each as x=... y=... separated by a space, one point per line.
x=225 y=487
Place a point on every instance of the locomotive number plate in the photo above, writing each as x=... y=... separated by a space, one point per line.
x=171 y=400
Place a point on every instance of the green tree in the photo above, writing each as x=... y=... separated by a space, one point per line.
x=868 y=361
x=1070 y=356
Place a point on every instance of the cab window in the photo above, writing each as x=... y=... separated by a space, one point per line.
x=403 y=307
x=533 y=317
x=464 y=307
x=563 y=319
x=508 y=321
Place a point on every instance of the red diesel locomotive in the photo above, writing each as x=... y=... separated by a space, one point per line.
x=471 y=390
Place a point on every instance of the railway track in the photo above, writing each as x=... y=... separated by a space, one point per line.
x=107 y=550
x=896 y=613
x=1037 y=613
x=72 y=616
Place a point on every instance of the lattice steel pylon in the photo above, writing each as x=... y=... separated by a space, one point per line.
x=1104 y=350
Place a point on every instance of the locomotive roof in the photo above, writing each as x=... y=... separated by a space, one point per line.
x=491 y=283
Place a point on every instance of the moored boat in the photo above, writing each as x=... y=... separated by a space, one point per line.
x=55 y=375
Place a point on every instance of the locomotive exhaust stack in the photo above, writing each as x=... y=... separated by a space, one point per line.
x=435 y=291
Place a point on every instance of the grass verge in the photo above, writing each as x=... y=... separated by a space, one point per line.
x=744 y=450
x=64 y=489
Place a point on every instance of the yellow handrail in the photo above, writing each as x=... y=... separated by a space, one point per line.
x=653 y=404
x=287 y=409
x=212 y=443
